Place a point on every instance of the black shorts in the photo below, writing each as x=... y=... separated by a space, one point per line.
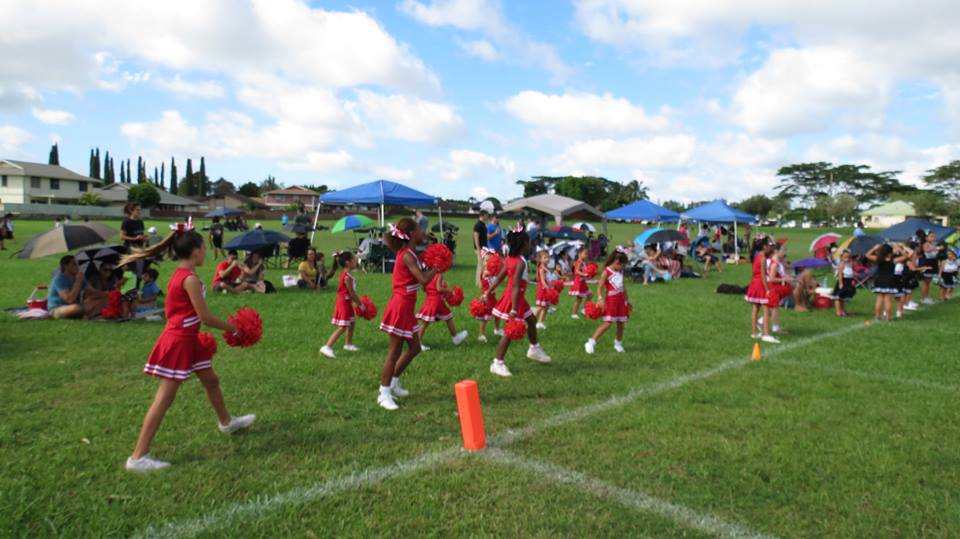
x=217 y=241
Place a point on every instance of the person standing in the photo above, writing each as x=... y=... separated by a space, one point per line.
x=422 y=222
x=131 y=232
x=859 y=231
x=495 y=234
x=216 y=238
x=479 y=242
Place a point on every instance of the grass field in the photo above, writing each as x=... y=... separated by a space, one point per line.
x=844 y=430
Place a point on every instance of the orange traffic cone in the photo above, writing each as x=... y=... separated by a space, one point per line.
x=757 y=355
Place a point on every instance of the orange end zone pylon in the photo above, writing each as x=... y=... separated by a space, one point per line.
x=471 y=417
x=757 y=355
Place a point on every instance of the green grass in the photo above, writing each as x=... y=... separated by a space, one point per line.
x=769 y=446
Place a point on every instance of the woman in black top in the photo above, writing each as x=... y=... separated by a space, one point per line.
x=132 y=234
x=885 y=282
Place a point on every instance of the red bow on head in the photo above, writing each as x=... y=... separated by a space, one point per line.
x=180 y=228
x=620 y=249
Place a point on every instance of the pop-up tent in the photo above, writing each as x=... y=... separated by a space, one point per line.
x=906 y=230
x=382 y=193
x=719 y=211
x=644 y=210
x=556 y=205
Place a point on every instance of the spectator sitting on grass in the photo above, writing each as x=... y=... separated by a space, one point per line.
x=99 y=283
x=226 y=277
x=253 y=273
x=308 y=272
x=149 y=294
x=63 y=296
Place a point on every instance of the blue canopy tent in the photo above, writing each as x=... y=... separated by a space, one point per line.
x=907 y=229
x=225 y=212
x=644 y=210
x=719 y=211
x=383 y=193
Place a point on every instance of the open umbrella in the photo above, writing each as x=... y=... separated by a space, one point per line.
x=98 y=256
x=564 y=233
x=823 y=241
x=225 y=212
x=585 y=227
x=565 y=246
x=447 y=227
x=658 y=235
x=256 y=240
x=66 y=238
x=809 y=263
x=861 y=245
x=352 y=221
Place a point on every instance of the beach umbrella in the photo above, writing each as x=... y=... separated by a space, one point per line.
x=66 y=238
x=225 y=212
x=658 y=235
x=564 y=233
x=352 y=221
x=98 y=256
x=860 y=245
x=256 y=240
x=565 y=246
x=809 y=263
x=823 y=241
x=585 y=227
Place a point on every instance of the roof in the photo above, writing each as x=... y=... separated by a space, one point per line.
x=236 y=196
x=46 y=171
x=117 y=192
x=896 y=208
x=295 y=190
x=644 y=210
x=556 y=205
x=380 y=192
x=718 y=211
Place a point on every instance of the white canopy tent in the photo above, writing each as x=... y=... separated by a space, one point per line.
x=558 y=206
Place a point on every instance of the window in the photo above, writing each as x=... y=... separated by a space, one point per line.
x=34 y=182
x=54 y=184
x=83 y=186
x=3 y=180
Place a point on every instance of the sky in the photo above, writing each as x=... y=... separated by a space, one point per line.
x=698 y=99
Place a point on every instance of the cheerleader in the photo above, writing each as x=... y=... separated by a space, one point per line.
x=948 y=275
x=758 y=294
x=579 y=290
x=778 y=283
x=512 y=303
x=399 y=317
x=343 y=311
x=885 y=284
x=177 y=353
x=845 y=288
x=485 y=281
x=435 y=309
x=543 y=284
x=930 y=262
x=612 y=299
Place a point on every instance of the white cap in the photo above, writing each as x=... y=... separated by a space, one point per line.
x=258 y=225
x=152 y=230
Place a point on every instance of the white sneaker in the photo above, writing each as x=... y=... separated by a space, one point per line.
x=424 y=347
x=500 y=369
x=351 y=348
x=912 y=306
x=398 y=391
x=590 y=346
x=145 y=463
x=899 y=314
x=928 y=301
x=459 y=337
x=537 y=354
x=482 y=338
x=618 y=346
x=770 y=339
x=385 y=400
x=237 y=423
x=575 y=316
x=541 y=325
x=328 y=352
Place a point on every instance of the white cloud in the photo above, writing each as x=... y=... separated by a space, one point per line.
x=739 y=150
x=341 y=161
x=581 y=115
x=882 y=153
x=659 y=152
x=410 y=118
x=206 y=89
x=486 y=17
x=472 y=165
x=12 y=137
x=480 y=48
x=52 y=116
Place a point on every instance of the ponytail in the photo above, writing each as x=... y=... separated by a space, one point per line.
x=340 y=260
x=176 y=246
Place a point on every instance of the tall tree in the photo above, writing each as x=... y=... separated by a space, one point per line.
x=139 y=169
x=188 y=187
x=107 y=169
x=945 y=180
x=93 y=168
x=268 y=184
x=760 y=205
x=129 y=176
x=202 y=180
x=156 y=176
x=123 y=173
x=162 y=171
x=97 y=163
x=54 y=155
x=249 y=189
x=173 y=176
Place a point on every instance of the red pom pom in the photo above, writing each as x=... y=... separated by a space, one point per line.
x=592 y=310
x=438 y=256
x=369 y=311
x=114 y=306
x=480 y=308
x=591 y=270
x=208 y=344
x=494 y=265
x=552 y=296
x=455 y=296
x=249 y=328
x=558 y=284
x=515 y=329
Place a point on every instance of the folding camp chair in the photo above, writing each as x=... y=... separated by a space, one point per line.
x=862 y=276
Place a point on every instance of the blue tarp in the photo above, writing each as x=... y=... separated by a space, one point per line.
x=644 y=210
x=718 y=212
x=906 y=230
x=380 y=192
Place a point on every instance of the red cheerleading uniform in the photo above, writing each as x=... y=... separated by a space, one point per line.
x=778 y=290
x=755 y=292
x=490 y=300
x=434 y=307
x=343 y=314
x=516 y=269
x=579 y=288
x=542 y=287
x=399 y=316
x=177 y=353
x=615 y=306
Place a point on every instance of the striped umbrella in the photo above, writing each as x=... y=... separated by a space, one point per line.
x=66 y=238
x=350 y=222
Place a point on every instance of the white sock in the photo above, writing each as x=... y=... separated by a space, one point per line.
x=384 y=390
x=394 y=381
x=591 y=341
x=498 y=361
x=617 y=342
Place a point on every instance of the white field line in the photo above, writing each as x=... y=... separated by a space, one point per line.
x=631 y=499
x=234 y=513
x=925 y=384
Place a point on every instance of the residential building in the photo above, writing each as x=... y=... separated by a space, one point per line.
x=22 y=182
x=116 y=195
x=896 y=212
x=281 y=198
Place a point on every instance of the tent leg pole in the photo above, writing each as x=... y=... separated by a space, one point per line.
x=736 y=242
x=383 y=215
x=440 y=213
x=316 y=217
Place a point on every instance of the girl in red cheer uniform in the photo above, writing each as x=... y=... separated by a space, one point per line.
x=435 y=309
x=758 y=294
x=612 y=299
x=343 y=312
x=580 y=290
